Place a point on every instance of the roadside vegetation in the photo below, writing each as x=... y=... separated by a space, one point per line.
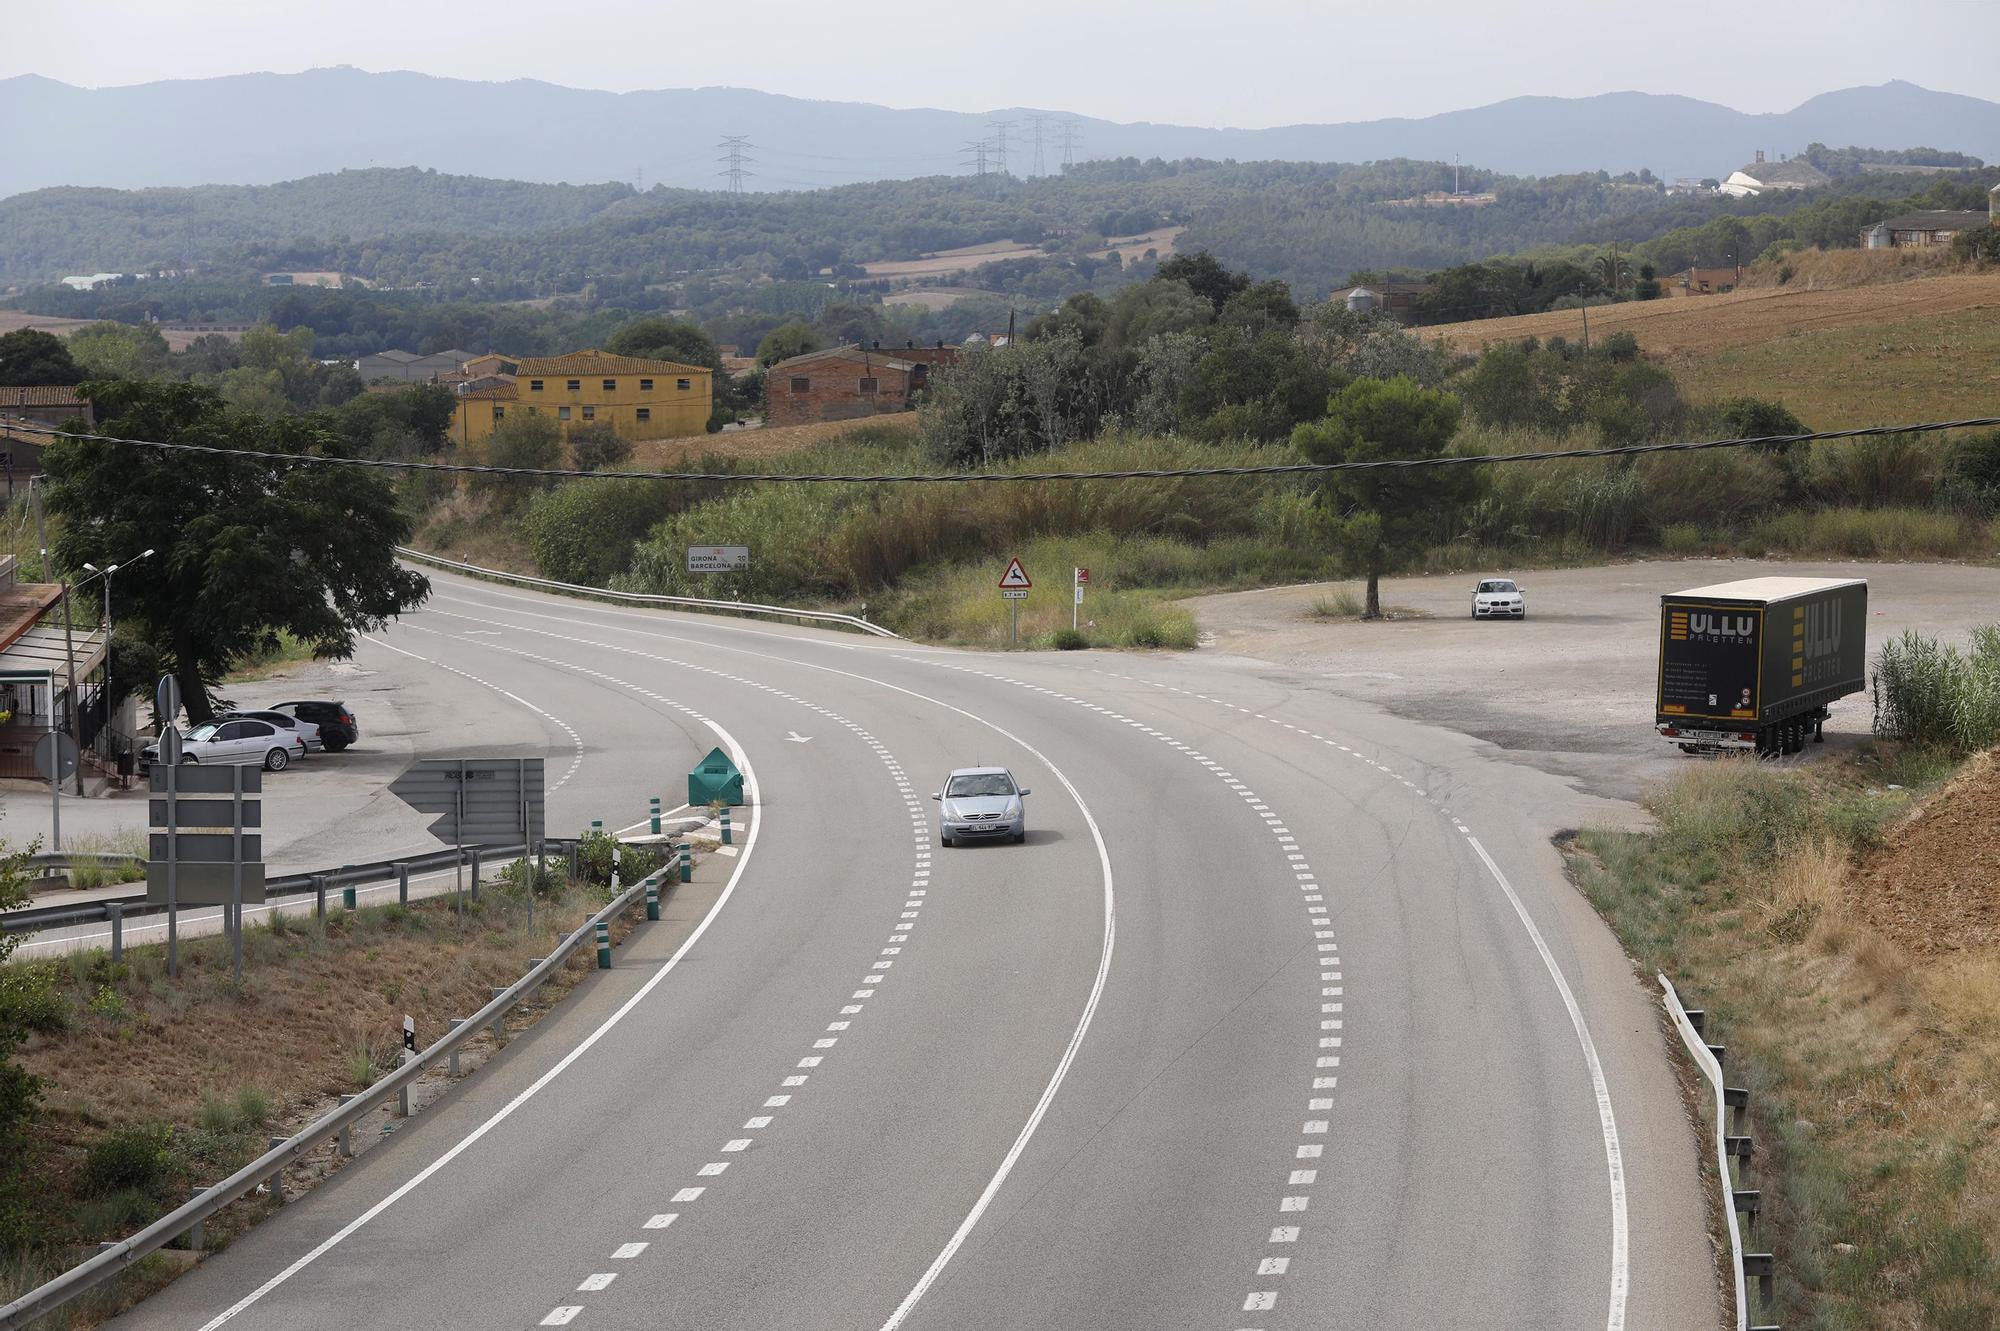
x=1840 y=922
x=122 y=1089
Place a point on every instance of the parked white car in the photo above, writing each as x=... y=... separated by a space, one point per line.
x=304 y=729
x=231 y=742
x=1498 y=598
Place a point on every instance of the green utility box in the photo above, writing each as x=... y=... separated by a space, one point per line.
x=715 y=778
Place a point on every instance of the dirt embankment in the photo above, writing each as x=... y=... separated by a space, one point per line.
x=1934 y=887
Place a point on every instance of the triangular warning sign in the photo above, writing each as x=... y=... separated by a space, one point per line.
x=1015 y=576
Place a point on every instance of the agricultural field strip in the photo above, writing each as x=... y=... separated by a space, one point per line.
x=534 y=1088
x=1620 y=1279
x=1301 y=1172
x=1089 y=1009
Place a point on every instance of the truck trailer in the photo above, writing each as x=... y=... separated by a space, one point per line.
x=1755 y=664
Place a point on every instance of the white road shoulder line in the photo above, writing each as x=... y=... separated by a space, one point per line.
x=506 y=1111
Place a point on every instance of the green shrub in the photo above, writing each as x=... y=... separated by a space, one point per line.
x=1681 y=538
x=634 y=862
x=253 y=1107
x=583 y=531
x=142 y=1157
x=1863 y=533
x=1162 y=628
x=1068 y=640
x=1340 y=604
x=30 y=999
x=1934 y=694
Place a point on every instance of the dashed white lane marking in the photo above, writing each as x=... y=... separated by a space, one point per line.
x=1325 y=945
x=534 y=1088
x=562 y=1316
x=1607 y=1123
x=1106 y=949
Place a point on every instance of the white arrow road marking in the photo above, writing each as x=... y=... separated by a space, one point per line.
x=794 y=737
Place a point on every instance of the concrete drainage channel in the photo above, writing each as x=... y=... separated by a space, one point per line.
x=1732 y=1143
x=337 y=1126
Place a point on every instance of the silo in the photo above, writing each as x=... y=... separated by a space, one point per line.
x=1361 y=300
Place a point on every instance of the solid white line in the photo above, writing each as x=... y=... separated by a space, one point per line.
x=1614 y=1159
x=506 y=1111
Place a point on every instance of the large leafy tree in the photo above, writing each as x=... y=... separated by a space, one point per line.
x=246 y=547
x=1380 y=517
x=666 y=339
x=30 y=358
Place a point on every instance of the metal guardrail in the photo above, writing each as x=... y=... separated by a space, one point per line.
x=1732 y=1110
x=36 y=918
x=645 y=598
x=335 y=1124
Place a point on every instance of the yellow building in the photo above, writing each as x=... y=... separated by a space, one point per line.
x=639 y=399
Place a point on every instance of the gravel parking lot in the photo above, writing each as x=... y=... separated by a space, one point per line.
x=1569 y=689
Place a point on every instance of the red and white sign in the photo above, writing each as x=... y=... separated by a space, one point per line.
x=1083 y=577
x=1015 y=576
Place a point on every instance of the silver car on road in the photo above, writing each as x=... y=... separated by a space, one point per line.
x=981 y=804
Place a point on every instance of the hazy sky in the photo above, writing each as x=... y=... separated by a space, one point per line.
x=1248 y=63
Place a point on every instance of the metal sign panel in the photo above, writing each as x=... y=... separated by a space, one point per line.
x=1013 y=593
x=218 y=864
x=204 y=813
x=55 y=756
x=205 y=883
x=196 y=779
x=718 y=558
x=490 y=801
x=1016 y=576
x=209 y=847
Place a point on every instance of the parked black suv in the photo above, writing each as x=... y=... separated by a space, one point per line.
x=337 y=726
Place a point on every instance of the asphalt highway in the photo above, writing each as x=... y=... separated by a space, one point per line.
x=1284 y=1017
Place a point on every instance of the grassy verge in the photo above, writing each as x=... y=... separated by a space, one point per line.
x=151 y=1086
x=1873 y=1065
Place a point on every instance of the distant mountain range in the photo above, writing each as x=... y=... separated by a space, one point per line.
x=261 y=128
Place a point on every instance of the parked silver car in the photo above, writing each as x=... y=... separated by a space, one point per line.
x=1499 y=598
x=981 y=803
x=228 y=741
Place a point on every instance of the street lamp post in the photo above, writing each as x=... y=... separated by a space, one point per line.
x=105 y=573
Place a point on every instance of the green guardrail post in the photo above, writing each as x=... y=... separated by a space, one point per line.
x=604 y=945
x=347 y=898
x=687 y=862
x=475 y=873
x=655 y=814
x=725 y=825
x=653 y=898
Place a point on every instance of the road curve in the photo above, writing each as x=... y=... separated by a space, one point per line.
x=1284 y=1017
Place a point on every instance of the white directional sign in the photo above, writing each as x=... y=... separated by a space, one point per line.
x=1013 y=593
x=1015 y=578
x=718 y=558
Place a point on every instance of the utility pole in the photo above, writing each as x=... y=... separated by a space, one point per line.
x=1036 y=122
x=1000 y=128
x=736 y=150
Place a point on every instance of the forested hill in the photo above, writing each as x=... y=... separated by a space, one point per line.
x=259 y=128
x=1311 y=224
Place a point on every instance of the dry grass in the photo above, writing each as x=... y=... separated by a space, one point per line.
x=1874 y=1070
x=1826 y=270
x=776 y=441
x=1746 y=317
x=319 y=1013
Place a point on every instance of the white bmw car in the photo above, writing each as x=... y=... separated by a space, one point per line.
x=1498 y=598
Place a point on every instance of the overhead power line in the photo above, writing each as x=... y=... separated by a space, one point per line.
x=970 y=477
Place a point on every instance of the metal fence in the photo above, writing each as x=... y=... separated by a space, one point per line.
x=335 y=1125
x=641 y=598
x=117 y=909
x=1732 y=1144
